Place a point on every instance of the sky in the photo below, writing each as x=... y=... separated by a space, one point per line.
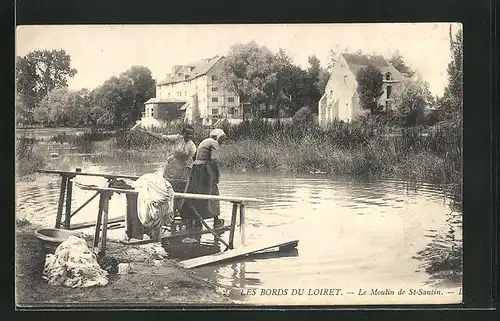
x=100 y=51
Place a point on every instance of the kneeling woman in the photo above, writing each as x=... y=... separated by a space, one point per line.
x=204 y=180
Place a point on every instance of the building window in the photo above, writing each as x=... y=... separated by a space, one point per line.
x=331 y=93
x=230 y=100
x=152 y=112
x=389 y=91
x=214 y=78
x=345 y=79
x=185 y=93
x=388 y=76
x=215 y=99
x=215 y=111
x=215 y=89
x=168 y=94
x=232 y=110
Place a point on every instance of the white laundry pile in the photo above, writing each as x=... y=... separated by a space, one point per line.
x=74 y=265
x=155 y=202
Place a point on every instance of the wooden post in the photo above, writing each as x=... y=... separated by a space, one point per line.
x=233 y=225
x=61 y=201
x=242 y=223
x=98 y=222
x=69 y=195
x=107 y=196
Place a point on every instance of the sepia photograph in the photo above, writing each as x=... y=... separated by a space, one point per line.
x=238 y=165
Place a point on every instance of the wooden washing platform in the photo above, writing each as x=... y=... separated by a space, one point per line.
x=103 y=222
x=242 y=251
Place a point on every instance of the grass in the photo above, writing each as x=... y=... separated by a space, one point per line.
x=364 y=148
x=28 y=159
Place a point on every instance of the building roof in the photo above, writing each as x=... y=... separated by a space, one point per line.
x=191 y=71
x=155 y=100
x=356 y=61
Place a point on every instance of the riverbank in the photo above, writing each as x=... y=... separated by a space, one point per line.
x=367 y=148
x=152 y=282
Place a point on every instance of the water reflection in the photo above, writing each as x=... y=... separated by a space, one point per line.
x=442 y=257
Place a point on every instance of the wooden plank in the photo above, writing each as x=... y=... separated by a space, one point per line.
x=233 y=199
x=232 y=254
x=105 y=175
x=79 y=226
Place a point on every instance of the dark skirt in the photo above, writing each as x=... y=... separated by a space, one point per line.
x=204 y=180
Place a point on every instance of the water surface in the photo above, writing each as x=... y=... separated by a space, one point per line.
x=352 y=234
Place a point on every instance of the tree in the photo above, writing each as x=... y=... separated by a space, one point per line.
x=144 y=85
x=333 y=57
x=63 y=107
x=411 y=100
x=398 y=63
x=39 y=72
x=451 y=104
x=294 y=82
x=249 y=70
x=369 y=88
x=120 y=100
x=318 y=77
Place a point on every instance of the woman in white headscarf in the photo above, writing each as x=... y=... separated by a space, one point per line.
x=204 y=180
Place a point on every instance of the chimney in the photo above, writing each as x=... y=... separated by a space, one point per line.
x=176 y=68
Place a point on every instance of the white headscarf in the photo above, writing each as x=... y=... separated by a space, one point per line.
x=218 y=133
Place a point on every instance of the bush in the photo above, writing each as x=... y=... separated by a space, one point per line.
x=305 y=118
x=28 y=160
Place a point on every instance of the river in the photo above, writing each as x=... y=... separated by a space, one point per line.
x=353 y=235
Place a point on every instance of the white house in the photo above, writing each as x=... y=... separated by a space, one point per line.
x=192 y=93
x=340 y=100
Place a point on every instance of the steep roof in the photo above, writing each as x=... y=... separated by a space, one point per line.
x=356 y=61
x=191 y=71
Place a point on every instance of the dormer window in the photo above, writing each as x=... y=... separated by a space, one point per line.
x=191 y=68
x=186 y=76
x=388 y=76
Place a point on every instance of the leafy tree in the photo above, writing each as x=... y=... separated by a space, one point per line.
x=411 y=100
x=333 y=57
x=39 y=72
x=398 y=63
x=314 y=72
x=62 y=107
x=369 y=88
x=144 y=85
x=120 y=100
x=250 y=71
x=451 y=105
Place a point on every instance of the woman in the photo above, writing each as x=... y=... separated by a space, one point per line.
x=180 y=162
x=204 y=180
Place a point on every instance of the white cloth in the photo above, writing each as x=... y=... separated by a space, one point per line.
x=74 y=265
x=155 y=202
x=218 y=133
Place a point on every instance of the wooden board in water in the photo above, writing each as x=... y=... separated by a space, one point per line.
x=231 y=254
